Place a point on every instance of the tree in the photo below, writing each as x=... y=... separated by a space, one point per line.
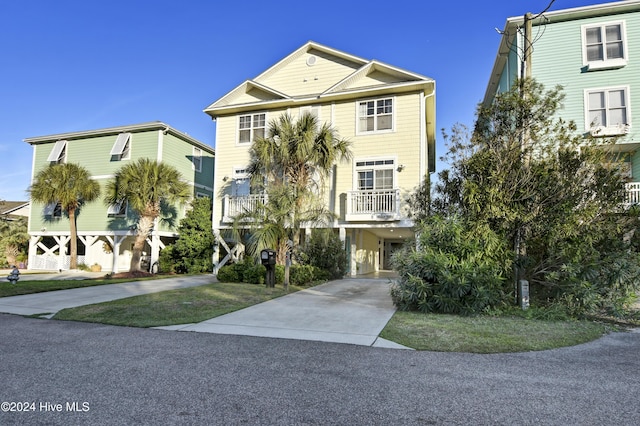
x=193 y=250
x=69 y=185
x=14 y=239
x=151 y=190
x=290 y=165
x=553 y=193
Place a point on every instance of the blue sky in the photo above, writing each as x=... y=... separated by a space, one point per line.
x=73 y=65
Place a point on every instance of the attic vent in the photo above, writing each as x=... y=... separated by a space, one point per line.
x=311 y=60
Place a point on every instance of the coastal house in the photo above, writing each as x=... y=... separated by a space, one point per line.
x=106 y=232
x=594 y=53
x=388 y=115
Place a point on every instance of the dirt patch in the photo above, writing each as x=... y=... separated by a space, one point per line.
x=132 y=274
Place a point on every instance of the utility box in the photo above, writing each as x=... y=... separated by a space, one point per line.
x=268 y=259
x=523 y=290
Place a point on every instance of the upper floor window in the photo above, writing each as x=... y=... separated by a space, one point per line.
x=53 y=210
x=604 y=46
x=314 y=110
x=197 y=159
x=241 y=185
x=375 y=174
x=117 y=210
x=59 y=153
x=607 y=111
x=375 y=115
x=251 y=127
x=122 y=147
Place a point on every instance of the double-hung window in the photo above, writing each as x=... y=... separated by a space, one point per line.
x=375 y=115
x=375 y=174
x=251 y=127
x=241 y=185
x=604 y=45
x=121 y=149
x=59 y=153
x=607 y=111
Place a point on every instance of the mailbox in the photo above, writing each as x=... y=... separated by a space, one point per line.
x=268 y=259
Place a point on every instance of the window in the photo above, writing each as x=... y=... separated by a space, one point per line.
x=117 y=210
x=375 y=174
x=53 y=210
x=604 y=45
x=122 y=147
x=251 y=127
x=375 y=115
x=58 y=153
x=197 y=159
x=607 y=111
x=241 y=185
x=313 y=110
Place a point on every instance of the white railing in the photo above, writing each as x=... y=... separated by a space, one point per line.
x=238 y=204
x=633 y=194
x=373 y=205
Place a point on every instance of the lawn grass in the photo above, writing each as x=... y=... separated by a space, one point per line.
x=24 y=286
x=487 y=334
x=172 y=307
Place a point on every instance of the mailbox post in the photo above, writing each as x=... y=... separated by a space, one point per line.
x=268 y=259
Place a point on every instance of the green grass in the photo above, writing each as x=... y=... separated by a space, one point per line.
x=24 y=286
x=182 y=306
x=487 y=334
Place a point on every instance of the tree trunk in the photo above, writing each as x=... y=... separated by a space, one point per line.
x=145 y=225
x=73 y=261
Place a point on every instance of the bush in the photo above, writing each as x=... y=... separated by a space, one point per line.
x=229 y=274
x=458 y=270
x=325 y=251
x=254 y=274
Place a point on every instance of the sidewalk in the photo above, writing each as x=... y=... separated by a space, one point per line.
x=51 y=302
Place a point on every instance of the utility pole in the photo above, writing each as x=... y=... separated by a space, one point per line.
x=520 y=248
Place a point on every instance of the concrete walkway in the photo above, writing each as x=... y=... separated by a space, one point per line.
x=51 y=302
x=350 y=311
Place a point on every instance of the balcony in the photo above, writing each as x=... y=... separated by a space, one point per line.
x=372 y=205
x=233 y=205
x=633 y=194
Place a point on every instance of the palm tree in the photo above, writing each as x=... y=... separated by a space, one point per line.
x=69 y=185
x=147 y=186
x=299 y=155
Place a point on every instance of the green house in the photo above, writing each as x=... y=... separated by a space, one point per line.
x=106 y=232
x=594 y=53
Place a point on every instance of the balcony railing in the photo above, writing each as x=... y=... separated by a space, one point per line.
x=238 y=204
x=374 y=205
x=633 y=194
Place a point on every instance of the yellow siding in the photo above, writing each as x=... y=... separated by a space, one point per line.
x=296 y=78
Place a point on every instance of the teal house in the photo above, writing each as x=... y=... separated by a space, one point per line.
x=106 y=232
x=594 y=53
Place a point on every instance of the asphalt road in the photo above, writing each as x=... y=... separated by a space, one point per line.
x=105 y=375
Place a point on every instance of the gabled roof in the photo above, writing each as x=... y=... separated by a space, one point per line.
x=12 y=208
x=153 y=125
x=343 y=76
x=514 y=23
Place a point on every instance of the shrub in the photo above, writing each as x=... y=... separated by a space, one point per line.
x=325 y=251
x=229 y=274
x=457 y=270
x=254 y=274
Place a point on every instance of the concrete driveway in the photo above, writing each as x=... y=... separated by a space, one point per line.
x=51 y=302
x=350 y=311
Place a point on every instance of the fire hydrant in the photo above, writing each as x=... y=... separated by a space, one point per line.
x=14 y=275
